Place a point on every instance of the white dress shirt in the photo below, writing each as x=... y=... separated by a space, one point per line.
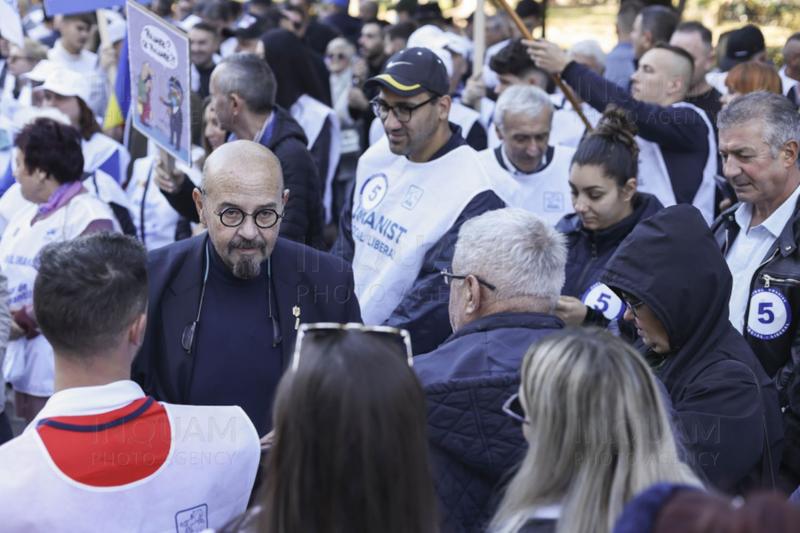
x=749 y=250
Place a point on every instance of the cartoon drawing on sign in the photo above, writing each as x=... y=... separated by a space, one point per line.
x=143 y=94
x=173 y=102
x=159 y=81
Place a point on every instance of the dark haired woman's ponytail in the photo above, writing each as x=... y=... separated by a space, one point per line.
x=612 y=146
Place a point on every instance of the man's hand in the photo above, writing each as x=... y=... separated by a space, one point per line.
x=16 y=331
x=547 y=56
x=571 y=310
x=169 y=183
x=474 y=91
x=357 y=100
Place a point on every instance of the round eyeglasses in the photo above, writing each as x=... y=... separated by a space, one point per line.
x=233 y=217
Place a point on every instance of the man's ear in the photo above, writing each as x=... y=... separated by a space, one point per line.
x=499 y=132
x=197 y=196
x=285 y=197
x=137 y=329
x=444 y=106
x=472 y=303
x=790 y=153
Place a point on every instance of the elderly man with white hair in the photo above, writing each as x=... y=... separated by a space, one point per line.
x=526 y=170
x=507 y=274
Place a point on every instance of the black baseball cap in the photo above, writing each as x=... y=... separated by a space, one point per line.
x=412 y=71
x=742 y=45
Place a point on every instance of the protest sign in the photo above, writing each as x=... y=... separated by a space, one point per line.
x=158 y=54
x=66 y=7
x=10 y=22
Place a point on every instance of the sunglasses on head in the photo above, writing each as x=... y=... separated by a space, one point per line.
x=513 y=408
x=394 y=335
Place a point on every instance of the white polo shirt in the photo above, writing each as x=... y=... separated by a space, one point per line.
x=749 y=250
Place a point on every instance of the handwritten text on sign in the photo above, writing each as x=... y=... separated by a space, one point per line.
x=158 y=45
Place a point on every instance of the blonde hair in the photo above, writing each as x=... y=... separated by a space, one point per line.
x=599 y=433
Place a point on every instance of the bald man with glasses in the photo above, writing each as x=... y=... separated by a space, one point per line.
x=413 y=190
x=225 y=306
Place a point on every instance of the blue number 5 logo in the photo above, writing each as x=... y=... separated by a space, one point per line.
x=602 y=302
x=765 y=310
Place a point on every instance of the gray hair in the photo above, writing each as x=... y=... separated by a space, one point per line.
x=590 y=48
x=251 y=78
x=515 y=251
x=777 y=114
x=527 y=100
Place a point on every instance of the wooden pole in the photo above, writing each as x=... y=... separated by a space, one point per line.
x=105 y=41
x=478 y=37
x=561 y=85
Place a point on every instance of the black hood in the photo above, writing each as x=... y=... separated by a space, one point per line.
x=293 y=66
x=671 y=262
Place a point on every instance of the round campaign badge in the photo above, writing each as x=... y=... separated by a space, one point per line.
x=769 y=316
x=373 y=191
x=603 y=299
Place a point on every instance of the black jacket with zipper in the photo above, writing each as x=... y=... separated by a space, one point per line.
x=778 y=270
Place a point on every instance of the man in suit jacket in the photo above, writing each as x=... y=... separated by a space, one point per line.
x=225 y=306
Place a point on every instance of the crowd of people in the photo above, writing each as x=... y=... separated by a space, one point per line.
x=397 y=289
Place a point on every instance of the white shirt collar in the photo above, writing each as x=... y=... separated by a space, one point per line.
x=517 y=172
x=774 y=223
x=89 y=400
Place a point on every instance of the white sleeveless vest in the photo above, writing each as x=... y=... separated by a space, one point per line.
x=153 y=216
x=654 y=179
x=205 y=481
x=400 y=210
x=311 y=114
x=545 y=193
x=29 y=362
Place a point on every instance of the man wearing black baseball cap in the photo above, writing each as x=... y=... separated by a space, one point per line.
x=413 y=190
x=744 y=44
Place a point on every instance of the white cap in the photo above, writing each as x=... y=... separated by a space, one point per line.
x=115 y=25
x=40 y=72
x=458 y=44
x=68 y=83
x=428 y=36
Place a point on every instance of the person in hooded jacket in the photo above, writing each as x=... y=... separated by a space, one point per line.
x=243 y=97
x=676 y=285
x=607 y=207
x=508 y=268
x=301 y=90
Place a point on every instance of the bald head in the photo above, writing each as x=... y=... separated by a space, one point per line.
x=241 y=203
x=678 y=63
x=242 y=162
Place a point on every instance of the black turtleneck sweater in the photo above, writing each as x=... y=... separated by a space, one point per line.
x=236 y=363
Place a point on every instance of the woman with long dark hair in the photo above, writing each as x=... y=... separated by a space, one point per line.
x=350 y=451
x=603 y=181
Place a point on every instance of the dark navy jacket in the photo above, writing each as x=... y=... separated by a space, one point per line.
x=303 y=217
x=423 y=311
x=680 y=132
x=474 y=445
x=588 y=251
x=728 y=416
x=320 y=285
